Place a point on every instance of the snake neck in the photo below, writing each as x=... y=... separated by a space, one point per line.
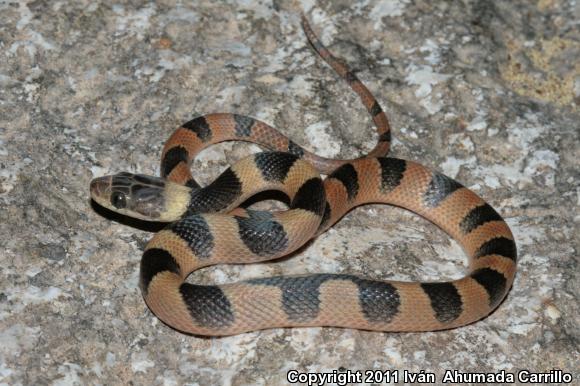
x=177 y=200
x=182 y=200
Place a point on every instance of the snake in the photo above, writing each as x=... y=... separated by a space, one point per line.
x=210 y=225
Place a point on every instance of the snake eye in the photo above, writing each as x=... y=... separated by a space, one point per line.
x=118 y=200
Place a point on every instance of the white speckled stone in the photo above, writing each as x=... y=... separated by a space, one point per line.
x=486 y=92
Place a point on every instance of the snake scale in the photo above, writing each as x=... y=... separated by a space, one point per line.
x=207 y=226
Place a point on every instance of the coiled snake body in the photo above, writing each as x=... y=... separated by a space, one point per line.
x=207 y=227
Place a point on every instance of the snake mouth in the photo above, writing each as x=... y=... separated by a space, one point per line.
x=100 y=189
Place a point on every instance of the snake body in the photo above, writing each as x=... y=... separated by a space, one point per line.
x=207 y=227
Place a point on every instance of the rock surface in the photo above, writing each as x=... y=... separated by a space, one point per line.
x=487 y=92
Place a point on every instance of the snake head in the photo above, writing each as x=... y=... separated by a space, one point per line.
x=140 y=196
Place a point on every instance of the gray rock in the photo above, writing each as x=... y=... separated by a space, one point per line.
x=487 y=92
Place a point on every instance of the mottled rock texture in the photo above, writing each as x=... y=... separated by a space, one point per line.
x=485 y=91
